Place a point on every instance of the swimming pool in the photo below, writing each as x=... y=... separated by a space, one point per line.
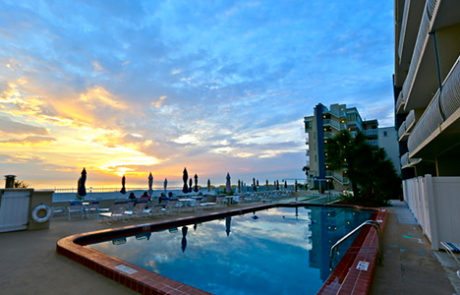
x=281 y=250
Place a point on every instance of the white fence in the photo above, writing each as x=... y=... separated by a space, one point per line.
x=14 y=209
x=435 y=203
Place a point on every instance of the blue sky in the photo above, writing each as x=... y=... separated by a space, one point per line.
x=128 y=87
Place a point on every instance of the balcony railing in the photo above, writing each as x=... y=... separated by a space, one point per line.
x=430 y=5
x=410 y=120
x=399 y=102
x=405 y=160
x=422 y=39
x=402 y=33
x=445 y=102
x=333 y=123
x=402 y=131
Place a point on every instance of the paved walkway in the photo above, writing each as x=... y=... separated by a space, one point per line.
x=409 y=265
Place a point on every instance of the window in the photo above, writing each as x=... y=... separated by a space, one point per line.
x=385 y=134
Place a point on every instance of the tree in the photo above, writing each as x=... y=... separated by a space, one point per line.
x=372 y=176
x=305 y=169
x=20 y=184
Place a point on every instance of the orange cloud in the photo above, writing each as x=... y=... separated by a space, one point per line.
x=99 y=95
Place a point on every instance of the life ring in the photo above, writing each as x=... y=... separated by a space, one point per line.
x=41 y=213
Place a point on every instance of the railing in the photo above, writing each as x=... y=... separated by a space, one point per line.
x=399 y=101
x=372 y=223
x=402 y=130
x=404 y=160
x=410 y=120
x=450 y=96
x=371 y=132
x=422 y=38
x=430 y=5
x=402 y=32
x=332 y=123
x=109 y=189
x=445 y=102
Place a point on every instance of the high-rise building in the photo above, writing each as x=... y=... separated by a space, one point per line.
x=427 y=112
x=325 y=124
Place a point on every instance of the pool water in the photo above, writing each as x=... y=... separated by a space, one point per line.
x=275 y=251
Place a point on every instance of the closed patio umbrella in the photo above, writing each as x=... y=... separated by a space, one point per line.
x=184 y=238
x=150 y=184
x=81 y=189
x=185 y=179
x=165 y=184
x=228 y=185
x=195 y=188
x=228 y=224
x=123 y=183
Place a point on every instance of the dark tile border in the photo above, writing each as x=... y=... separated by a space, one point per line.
x=147 y=282
x=346 y=278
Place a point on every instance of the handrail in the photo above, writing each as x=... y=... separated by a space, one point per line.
x=372 y=223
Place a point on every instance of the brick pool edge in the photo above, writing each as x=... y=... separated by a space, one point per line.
x=147 y=282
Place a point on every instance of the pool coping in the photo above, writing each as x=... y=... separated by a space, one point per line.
x=148 y=282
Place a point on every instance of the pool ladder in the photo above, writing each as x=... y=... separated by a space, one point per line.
x=374 y=224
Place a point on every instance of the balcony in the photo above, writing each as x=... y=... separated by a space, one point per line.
x=402 y=132
x=421 y=77
x=400 y=103
x=407 y=162
x=437 y=37
x=371 y=132
x=410 y=120
x=406 y=126
x=332 y=123
x=412 y=14
x=440 y=123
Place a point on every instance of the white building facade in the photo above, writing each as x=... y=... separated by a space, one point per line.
x=324 y=124
x=427 y=112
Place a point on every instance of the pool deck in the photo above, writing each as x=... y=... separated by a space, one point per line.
x=30 y=263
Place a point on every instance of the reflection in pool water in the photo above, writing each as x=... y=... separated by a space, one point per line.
x=276 y=251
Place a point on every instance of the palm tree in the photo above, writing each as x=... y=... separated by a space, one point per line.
x=371 y=174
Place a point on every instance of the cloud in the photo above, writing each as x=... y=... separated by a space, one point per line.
x=30 y=140
x=12 y=127
x=159 y=102
x=99 y=96
x=160 y=85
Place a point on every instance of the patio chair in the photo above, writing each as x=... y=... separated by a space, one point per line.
x=75 y=207
x=92 y=208
x=120 y=210
x=142 y=208
x=453 y=249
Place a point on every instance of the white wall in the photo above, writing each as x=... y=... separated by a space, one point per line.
x=435 y=203
x=389 y=142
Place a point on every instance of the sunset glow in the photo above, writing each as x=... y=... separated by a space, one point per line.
x=133 y=87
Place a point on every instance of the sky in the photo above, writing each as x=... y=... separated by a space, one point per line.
x=130 y=87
